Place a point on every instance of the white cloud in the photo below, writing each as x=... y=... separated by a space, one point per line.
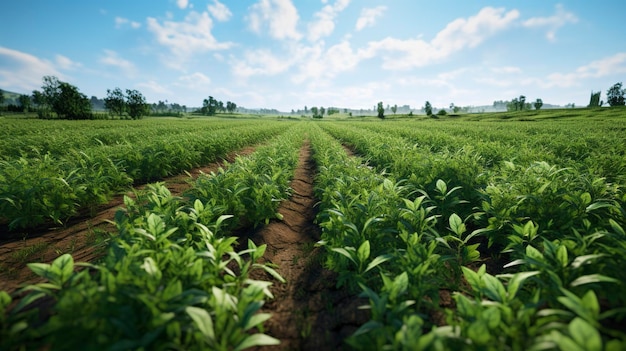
x=184 y=38
x=608 y=66
x=66 y=64
x=558 y=20
x=194 y=81
x=369 y=16
x=155 y=87
x=111 y=58
x=506 y=70
x=219 y=11
x=319 y=66
x=280 y=17
x=22 y=72
x=456 y=36
x=260 y=62
x=324 y=23
x=182 y=4
x=121 y=22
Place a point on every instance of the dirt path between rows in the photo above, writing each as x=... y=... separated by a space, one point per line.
x=81 y=236
x=308 y=312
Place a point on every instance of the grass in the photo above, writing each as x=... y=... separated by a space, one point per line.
x=28 y=253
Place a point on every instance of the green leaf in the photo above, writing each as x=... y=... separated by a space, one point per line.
x=5 y=300
x=371 y=221
x=28 y=299
x=517 y=281
x=203 y=321
x=456 y=224
x=494 y=288
x=400 y=286
x=257 y=340
x=535 y=256
x=585 y=259
x=65 y=265
x=585 y=334
x=256 y=320
x=363 y=253
x=596 y=205
x=441 y=186
x=464 y=306
x=150 y=266
x=378 y=260
x=492 y=316
x=478 y=332
x=271 y=271
x=472 y=278
x=593 y=278
x=590 y=302
x=617 y=228
x=41 y=269
x=561 y=255
x=565 y=343
x=345 y=252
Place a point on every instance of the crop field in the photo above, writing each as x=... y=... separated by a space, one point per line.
x=477 y=232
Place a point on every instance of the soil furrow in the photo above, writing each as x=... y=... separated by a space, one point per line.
x=308 y=311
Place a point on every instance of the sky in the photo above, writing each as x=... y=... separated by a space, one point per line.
x=287 y=54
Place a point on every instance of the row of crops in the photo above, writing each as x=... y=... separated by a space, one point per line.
x=174 y=277
x=51 y=170
x=527 y=241
x=486 y=236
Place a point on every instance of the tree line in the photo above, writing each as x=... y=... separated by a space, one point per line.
x=62 y=100
x=614 y=96
x=210 y=106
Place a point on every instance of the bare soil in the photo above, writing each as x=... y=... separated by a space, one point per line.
x=82 y=237
x=308 y=311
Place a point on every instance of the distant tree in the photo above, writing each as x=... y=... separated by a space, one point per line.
x=322 y=111
x=38 y=99
x=220 y=106
x=455 y=109
x=50 y=89
x=394 y=109
x=136 y=104
x=115 y=102
x=615 y=95
x=306 y=110
x=97 y=104
x=314 y=112
x=209 y=106
x=594 y=100
x=25 y=102
x=428 y=108
x=513 y=105
x=2 y=97
x=71 y=103
x=538 y=104
x=442 y=112
x=518 y=104
x=381 y=110
x=65 y=99
x=231 y=106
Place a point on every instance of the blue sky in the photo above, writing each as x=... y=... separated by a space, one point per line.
x=346 y=53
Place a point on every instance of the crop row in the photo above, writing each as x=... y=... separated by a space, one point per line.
x=595 y=147
x=172 y=278
x=420 y=229
x=43 y=188
x=27 y=138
